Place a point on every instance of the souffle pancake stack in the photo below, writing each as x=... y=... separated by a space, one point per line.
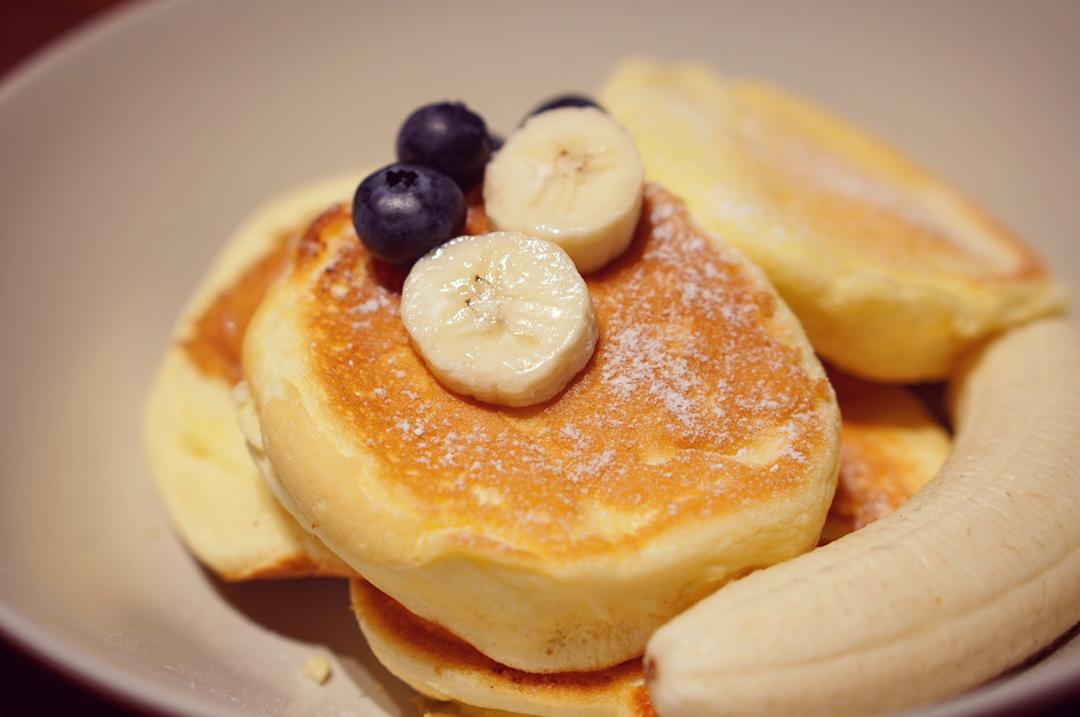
x=555 y=406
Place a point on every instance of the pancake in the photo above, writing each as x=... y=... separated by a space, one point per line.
x=451 y=672
x=893 y=273
x=890 y=447
x=200 y=461
x=700 y=442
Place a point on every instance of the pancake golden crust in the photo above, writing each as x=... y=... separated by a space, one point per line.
x=893 y=273
x=890 y=447
x=443 y=667
x=699 y=442
x=217 y=335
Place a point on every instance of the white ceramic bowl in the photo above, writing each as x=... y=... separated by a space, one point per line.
x=130 y=150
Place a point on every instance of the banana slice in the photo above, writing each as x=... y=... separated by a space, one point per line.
x=573 y=176
x=502 y=317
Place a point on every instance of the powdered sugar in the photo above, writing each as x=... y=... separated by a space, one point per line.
x=378 y=301
x=638 y=361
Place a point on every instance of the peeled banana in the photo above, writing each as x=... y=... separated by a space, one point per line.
x=978 y=571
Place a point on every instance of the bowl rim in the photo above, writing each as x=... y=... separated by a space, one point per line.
x=29 y=637
x=1030 y=690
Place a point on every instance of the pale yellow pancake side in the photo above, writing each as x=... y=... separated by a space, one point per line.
x=700 y=442
x=892 y=272
x=199 y=459
x=447 y=670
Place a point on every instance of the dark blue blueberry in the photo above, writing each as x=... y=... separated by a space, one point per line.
x=496 y=141
x=569 y=100
x=403 y=211
x=448 y=137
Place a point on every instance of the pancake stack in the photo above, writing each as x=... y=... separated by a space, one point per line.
x=715 y=454
x=516 y=560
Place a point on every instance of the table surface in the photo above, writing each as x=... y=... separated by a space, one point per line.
x=28 y=686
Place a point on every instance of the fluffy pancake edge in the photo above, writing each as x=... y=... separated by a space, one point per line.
x=679 y=115
x=199 y=460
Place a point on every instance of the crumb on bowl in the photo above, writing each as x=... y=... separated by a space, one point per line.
x=317 y=669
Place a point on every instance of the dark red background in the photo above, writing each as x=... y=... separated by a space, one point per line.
x=26 y=686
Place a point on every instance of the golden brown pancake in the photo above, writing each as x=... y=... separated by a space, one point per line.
x=204 y=473
x=890 y=447
x=893 y=273
x=443 y=667
x=700 y=442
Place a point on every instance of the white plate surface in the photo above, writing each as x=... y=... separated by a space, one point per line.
x=130 y=150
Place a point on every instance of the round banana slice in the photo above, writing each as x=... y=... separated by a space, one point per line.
x=502 y=317
x=573 y=176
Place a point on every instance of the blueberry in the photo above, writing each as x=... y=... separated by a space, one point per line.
x=569 y=100
x=448 y=137
x=497 y=141
x=403 y=211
